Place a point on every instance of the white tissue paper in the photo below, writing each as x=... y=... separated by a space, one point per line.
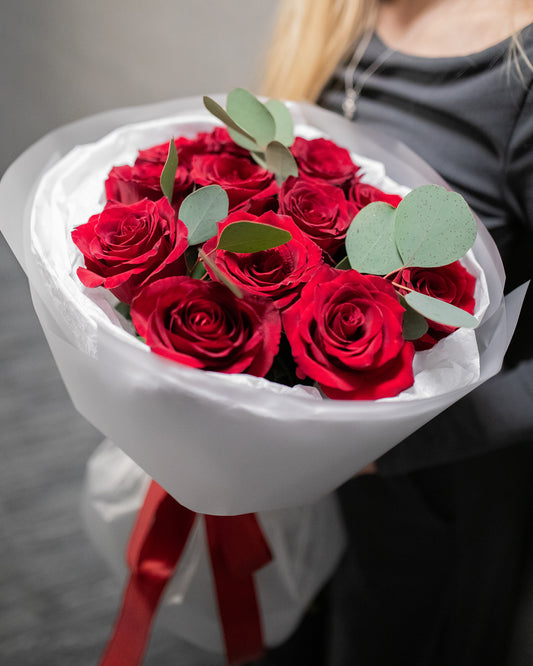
x=222 y=444
x=306 y=544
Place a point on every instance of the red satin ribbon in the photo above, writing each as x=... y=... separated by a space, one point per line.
x=237 y=548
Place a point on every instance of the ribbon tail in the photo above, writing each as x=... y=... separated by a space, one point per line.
x=235 y=588
x=154 y=549
x=132 y=629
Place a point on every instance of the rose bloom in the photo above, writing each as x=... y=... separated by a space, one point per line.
x=203 y=325
x=216 y=141
x=362 y=194
x=128 y=184
x=247 y=184
x=125 y=247
x=321 y=158
x=278 y=273
x=219 y=141
x=452 y=284
x=319 y=209
x=345 y=333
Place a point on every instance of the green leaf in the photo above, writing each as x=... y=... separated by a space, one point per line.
x=201 y=210
x=168 y=175
x=247 y=237
x=343 y=265
x=414 y=325
x=221 y=277
x=252 y=115
x=199 y=271
x=440 y=311
x=215 y=108
x=434 y=227
x=280 y=160
x=124 y=310
x=191 y=257
x=259 y=158
x=283 y=120
x=370 y=240
x=243 y=141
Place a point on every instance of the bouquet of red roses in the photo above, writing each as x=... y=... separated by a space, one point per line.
x=221 y=283
x=248 y=251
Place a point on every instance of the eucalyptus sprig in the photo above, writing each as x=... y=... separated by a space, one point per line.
x=201 y=211
x=266 y=130
x=431 y=227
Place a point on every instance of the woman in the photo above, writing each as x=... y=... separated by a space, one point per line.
x=439 y=532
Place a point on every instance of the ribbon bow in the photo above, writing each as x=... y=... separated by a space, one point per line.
x=237 y=548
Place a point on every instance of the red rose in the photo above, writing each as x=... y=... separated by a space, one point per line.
x=203 y=325
x=362 y=194
x=125 y=247
x=319 y=209
x=321 y=158
x=128 y=184
x=216 y=141
x=186 y=149
x=345 y=332
x=155 y=154
x=451 y=283
x=278 y=273
x=219 y=141
x=247 y=184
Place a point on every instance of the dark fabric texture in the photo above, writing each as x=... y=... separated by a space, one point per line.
x=439 y=538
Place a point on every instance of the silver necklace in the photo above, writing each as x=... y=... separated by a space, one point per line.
x=353 y=89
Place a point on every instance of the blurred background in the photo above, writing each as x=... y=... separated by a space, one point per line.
x=61 y=60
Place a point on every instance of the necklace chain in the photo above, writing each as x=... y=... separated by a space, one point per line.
x=353 y=89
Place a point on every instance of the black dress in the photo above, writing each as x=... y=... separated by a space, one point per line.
x=439 y=538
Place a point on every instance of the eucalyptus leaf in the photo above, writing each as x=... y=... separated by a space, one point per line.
x=343 y=265
x=247 y=237
x=259 y=158
x=280 y=160
x=199 y=271
x=434 y=227
x=221 y=277
x=414 y=325
x=252 y=115
x=370 y=240
x=191 y=257
x=124 y=310
x=440 y=311
x=215 y=108
x=243 y=141
x=168 y=175
x=201 y=210
x=283 y=120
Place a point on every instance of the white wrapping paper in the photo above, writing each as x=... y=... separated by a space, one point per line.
x=220 y=444
x=306 y=545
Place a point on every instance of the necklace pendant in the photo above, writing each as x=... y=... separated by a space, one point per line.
x=349 y=106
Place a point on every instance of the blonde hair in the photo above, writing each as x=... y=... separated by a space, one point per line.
x=312 y=37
